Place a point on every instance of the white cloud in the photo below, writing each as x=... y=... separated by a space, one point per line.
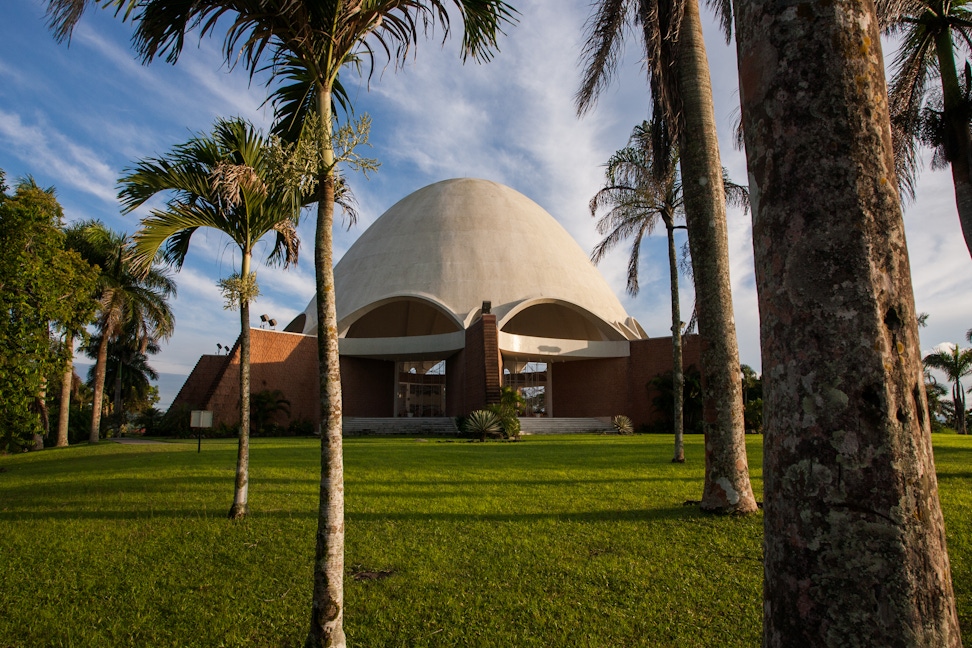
x=41 y=146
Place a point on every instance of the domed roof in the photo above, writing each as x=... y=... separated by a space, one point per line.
x=457 y=243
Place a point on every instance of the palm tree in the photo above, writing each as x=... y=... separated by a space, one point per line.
x=319 y=37
x=678 y=74
x=266 y=404
x=127 y=368
x=848 y=465
x=75 y=239
x=642 y=188
x=226 y=182
x=955 y=363
x=926 y=29
x=128 y=297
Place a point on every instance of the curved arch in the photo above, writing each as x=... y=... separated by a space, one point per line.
x=404 y=315
x=556 y=318
x=297 y=324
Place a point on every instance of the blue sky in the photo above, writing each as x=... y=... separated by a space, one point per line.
x=76 y=116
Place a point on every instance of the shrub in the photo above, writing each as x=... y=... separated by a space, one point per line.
x=302 y=427
x=623 y=424
x=509 y=421
x=483 y=423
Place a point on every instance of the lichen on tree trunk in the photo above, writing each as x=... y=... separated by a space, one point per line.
x=727 y=487
x=854 y=539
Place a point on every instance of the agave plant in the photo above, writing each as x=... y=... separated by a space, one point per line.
x=482 y=423
x=622 y=424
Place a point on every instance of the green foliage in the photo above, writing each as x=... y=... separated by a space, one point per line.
x=302 y=427
x=752 y=392
x=264 y=407
x=482 y=423
x=663 y=399
x=622 y=424
x=43 y=286
x=753 y=413
x=237 y=289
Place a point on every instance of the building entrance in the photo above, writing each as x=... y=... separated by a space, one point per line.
x=530 y=379
x=420 y=388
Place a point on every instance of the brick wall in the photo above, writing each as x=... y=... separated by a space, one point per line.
x=288 y=362
x=609 y=386
x=201 y=382
x=368 y=387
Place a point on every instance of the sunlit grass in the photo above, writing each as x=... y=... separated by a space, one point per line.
x=552 y=541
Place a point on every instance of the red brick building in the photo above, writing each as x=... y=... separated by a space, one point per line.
x=458 y=289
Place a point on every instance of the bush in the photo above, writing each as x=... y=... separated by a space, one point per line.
x=622 y=424
x=483 y=423
x=302 y=427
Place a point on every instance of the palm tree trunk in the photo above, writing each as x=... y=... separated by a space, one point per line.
x=99 y=387
x=960 y=158
x=67 y=382
x=238 y=509
x=678 y=375
x=854 y=538
x=42 y=414
x=958 y=401
x=727 y=488
x=117 y=402
x=327 y=605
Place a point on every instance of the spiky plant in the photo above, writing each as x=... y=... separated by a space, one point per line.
x=622 y=424
x=482 y=423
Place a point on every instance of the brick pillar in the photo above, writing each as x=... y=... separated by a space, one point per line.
x=483 y=372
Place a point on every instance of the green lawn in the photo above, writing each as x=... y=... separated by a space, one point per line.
x=553 y=541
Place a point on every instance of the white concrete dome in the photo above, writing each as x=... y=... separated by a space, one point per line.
x=426 y=266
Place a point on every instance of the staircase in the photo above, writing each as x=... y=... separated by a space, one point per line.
x=532 y=425
x=430 y=426
x=446 y=426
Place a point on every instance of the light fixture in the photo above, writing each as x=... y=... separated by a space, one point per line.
x=272 y=323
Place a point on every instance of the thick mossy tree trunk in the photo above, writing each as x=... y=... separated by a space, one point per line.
x=67 y=382
x=99 y=388
x=727 y=488
x=678 y=373
x=854 y=539
x=960 y=140
x=241 y=491
x=327 y=604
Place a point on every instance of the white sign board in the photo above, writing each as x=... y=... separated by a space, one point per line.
x=201 y=419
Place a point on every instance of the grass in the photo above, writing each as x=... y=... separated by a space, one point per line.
x=553 y=541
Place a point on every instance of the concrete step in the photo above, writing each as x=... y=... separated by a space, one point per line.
x=543 y=425
x=430 y=426
x=446 y=426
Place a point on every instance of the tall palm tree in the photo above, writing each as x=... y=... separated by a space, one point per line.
x=127 y=368
x=678 y=73
x=955 y=363
x=128 y=296
x=227 y=182
x=929 y=31
x=75 y=239
x=320 y=36
x=643 y=187
x=848 y=467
